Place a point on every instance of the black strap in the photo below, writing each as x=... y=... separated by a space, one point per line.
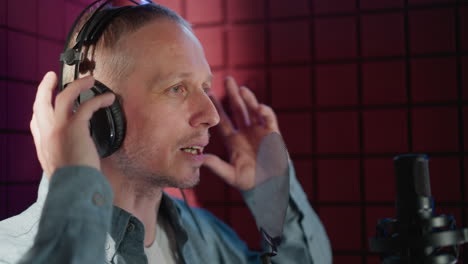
x=67 y=42
x=94 y=29
x=89 y=33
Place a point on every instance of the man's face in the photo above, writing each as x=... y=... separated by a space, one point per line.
x=166 y=105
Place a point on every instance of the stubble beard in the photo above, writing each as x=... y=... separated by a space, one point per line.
x=134 y=165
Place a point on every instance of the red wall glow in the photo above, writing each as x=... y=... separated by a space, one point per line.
x=354 y=82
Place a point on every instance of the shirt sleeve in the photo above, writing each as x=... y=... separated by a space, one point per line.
x=304 y=238
x=75 y=218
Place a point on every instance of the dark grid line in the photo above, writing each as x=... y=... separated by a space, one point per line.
x=343 y=204
x=339 y=61
x=225 y=55
x=28 y=182
x=362 y=182
x=32 y=34
x=368 y=107
x=313 y=100
x=268 y=60
x=15 y=80
x=79 y=4
x=367 y=155
x=408 y=76
x=459 y=76
x=217 y=203
x=7 y=131
x=434 y=6
x=460 y=101
x=7 y=200
x=225 y=45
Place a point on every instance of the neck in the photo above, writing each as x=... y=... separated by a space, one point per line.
x=137 y=197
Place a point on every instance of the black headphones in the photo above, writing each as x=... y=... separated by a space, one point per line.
x=107 y=125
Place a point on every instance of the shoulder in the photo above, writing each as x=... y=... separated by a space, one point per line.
x=17 y=234
x=185 y=212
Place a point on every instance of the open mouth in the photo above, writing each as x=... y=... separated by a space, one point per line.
x=194 y=150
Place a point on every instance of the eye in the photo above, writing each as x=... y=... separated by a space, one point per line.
x=177 y=89
x=207 y=89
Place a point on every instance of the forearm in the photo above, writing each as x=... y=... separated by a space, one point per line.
x=304 y=233
x=304 y=238
x=75 y=219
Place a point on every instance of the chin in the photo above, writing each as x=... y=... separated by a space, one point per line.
x=187 y=179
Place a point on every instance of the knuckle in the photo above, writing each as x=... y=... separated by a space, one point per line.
x=53 y=138
x=32 y=124
x=87 y=106
x=59 y=98
x=58 y=129
x=266 y=107
x=64 y=96
x=35 y=107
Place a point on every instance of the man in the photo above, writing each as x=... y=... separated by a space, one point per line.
x=113 y=210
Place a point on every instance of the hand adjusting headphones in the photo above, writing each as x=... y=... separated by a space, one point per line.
x=107 y=125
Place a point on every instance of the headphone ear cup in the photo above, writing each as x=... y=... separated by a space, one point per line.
x=107 y=125
x=120 y=124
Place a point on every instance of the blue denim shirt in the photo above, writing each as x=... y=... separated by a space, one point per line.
x=77 y=223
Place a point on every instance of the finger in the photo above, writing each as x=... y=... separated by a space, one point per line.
x=42 y=107
x=35 y=132
x=44 y=91
x=86 y=110
x=238 y=108
x=36 y=136
x=269 y=116
x=37 y=142
x=225 y=124
x=251 y=102
x=223 y=169
x=65 y=100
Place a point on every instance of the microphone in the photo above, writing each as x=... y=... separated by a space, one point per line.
x=416 y=235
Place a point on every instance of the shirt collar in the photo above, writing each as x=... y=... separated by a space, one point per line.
x=122 y=218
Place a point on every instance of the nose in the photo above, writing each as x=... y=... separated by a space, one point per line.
x=205 y=114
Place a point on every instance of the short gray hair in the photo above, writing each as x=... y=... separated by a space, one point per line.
x=125 y=23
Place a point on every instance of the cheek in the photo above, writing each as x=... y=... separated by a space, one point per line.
x=154 y=127
x=152 y=132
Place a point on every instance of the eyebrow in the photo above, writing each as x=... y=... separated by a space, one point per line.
x=189 y=74
x=183 y=75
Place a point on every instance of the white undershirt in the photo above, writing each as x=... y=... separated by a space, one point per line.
x=163 y=250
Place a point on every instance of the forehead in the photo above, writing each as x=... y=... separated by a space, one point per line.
x=164 y=46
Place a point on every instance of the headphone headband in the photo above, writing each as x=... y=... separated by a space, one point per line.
x=89 y=34
x=94 y=28
x=107 y=125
